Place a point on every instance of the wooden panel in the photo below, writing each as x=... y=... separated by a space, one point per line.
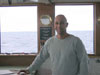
x=97 y=10
x=45 y=9
x=16 y=60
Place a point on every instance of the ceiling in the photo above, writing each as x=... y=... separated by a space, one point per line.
x=46 y=1
x=58 y=1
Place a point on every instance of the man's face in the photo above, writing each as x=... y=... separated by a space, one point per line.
x=60 y=25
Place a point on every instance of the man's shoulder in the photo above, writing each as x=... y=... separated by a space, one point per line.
x=75 y=38
x=51 y=39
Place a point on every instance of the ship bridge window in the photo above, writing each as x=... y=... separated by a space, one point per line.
x=80 y=20
x=18 y=29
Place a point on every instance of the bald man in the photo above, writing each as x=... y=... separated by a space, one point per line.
x=66 y=52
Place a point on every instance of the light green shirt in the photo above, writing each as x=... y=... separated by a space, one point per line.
x=68 y=56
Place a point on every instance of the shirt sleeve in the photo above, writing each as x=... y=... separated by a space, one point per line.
x=82 y=58
x=41 y=57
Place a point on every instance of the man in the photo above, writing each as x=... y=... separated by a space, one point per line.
x=67 y=52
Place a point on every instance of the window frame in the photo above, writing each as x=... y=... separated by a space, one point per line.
x=95 y=11
x=22 y=54
x=58 y=6
x=94 y=26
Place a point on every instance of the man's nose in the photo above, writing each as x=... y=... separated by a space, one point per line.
x=59 y=25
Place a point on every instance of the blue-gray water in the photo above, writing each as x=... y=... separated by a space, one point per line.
x=26 y=42
x=19 y=42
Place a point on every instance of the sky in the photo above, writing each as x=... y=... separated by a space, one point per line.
x=78 y=17
x=16 y=19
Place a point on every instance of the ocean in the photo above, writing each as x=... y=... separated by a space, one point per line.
x=27 y=42
x=19 y=42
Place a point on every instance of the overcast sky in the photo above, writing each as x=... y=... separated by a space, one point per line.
x=78 y=17
x=23 y=18
x=18 y=18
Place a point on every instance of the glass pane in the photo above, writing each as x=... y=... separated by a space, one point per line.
x=18 y=29
x=80 y=20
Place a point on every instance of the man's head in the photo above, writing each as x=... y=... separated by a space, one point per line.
x=60 y=24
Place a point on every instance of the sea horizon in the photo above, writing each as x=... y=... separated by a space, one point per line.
x=27 y=42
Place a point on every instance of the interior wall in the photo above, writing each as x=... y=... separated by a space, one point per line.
x=97 y=22
x=20 y=60
x=45 y=9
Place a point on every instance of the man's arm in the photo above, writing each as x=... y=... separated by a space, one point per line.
x=82 y=58
x=41 y=57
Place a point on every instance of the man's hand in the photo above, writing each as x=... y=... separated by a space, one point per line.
x=23 y=72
